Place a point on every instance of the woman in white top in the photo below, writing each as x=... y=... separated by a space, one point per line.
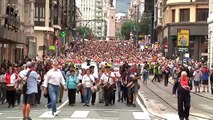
x=87 y=81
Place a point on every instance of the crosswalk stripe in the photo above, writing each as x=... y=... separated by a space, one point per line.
x=48 y=114
x=171 y=116
x=140 y=116
x=14 y=118
x=80 y=114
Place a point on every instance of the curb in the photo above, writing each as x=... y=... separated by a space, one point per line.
x=151 y=108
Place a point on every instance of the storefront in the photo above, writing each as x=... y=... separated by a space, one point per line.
x=197 y=40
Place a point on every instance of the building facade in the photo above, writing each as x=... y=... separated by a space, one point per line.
x=93 y=16
x=52 y=17
x=14 y=41
x=182 y=26
x=210 y=34
x=44 y=30
x=136 y=9
x=120 y=18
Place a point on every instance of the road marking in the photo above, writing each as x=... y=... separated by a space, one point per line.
x=142 y=107
x=48 y=114
x=14 y=118
x=80 y=114
x=140 y=116
x=82 y=119
x=111 y=111
x=119 y=110
x=171 y=116
x=62 y=105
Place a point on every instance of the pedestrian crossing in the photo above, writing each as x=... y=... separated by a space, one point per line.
x=80 y=114
x=86 y=115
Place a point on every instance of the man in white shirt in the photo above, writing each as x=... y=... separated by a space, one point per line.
x=52 y=81
x=108 y=81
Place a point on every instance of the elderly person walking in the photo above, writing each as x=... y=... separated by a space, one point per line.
x=52 y=82
x=182 y=88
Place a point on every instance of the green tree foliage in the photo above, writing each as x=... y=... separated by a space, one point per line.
x=81 y=31
x=126 y=28
x=138 y=28
x=145 y=24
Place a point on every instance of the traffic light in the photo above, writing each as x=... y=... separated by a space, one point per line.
x=63 y=33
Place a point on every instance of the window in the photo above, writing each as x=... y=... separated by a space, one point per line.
x=184 y=15
x=36 y=13
x=173 y=15
x=41 y=13
x=202 y=14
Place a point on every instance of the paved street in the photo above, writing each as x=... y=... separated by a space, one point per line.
x=160 y=105
x=160 y=102
x=97 y=112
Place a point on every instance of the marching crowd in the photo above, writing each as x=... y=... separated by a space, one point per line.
x=50 y=78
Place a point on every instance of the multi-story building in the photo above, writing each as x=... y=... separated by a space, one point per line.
x=149 y=10
x=15 y=16
x=119 y=20
x=29 y=7
x=98 y=30
x=182 y=27
x=51 y=18
x=93 y=16
x=44 y=30
x=136 y=10
x=210 y=34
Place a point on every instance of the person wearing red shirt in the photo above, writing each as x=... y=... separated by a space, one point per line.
x=10 y=78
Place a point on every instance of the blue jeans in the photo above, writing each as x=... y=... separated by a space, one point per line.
x=53 y=93
x=87 y=95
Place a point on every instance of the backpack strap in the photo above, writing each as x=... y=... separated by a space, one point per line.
x=28 y=74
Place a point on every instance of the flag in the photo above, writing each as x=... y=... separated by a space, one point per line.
x=91 y=36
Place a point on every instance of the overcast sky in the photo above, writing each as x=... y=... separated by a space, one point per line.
x=123 y=5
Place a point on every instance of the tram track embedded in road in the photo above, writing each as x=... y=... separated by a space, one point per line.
x=197 y=94
x=191 y=105
x=193 y=115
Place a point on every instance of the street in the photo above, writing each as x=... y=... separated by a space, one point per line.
x=154 y=102
x=97 y=112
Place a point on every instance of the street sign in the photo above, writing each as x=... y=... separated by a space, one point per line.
x=51 y=47
x=182 y=49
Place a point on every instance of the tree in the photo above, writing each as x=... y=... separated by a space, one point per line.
x=81 y=31
x=138 y=28
x=145 y=24
x=126 y=28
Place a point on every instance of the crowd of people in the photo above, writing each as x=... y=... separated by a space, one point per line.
x=59 y=73
x=108 y=51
